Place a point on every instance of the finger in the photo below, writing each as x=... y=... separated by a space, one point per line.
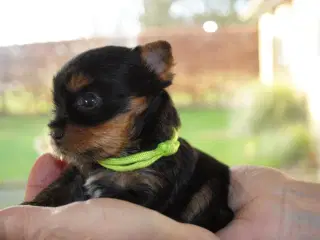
x=129 y=221
x=152 y=224
x=45 y=171
x=34 y=222
x=18 y=222
x=96 y=219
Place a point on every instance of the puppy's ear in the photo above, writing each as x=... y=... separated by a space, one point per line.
x=159 y=59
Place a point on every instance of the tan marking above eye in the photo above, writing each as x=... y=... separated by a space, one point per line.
x=77 y=82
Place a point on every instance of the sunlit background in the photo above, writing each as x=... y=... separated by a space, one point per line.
x=246 y=76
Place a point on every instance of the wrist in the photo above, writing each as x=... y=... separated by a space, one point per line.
x=301 y=210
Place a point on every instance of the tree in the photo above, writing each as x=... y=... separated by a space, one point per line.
x=5 y=64
x=226 y=15
x=157 y=13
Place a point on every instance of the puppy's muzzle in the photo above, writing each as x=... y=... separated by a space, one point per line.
x=57 y=134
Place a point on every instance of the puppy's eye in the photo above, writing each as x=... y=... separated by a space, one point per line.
x=88 y=101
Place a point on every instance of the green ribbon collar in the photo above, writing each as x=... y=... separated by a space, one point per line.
x=143 y=159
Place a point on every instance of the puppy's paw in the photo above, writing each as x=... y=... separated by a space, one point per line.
x=94 y=190
x=104 y=184
x=99 y=185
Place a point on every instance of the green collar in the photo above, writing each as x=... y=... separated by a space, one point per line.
x=143 y=159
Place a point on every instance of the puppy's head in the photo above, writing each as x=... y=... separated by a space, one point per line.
x=99 y=94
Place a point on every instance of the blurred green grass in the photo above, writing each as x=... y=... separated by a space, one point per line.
x=17 y=153
x=204 y=128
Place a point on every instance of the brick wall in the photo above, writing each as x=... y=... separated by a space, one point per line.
x=210 y=62
x=204 y=60
x=233 y=49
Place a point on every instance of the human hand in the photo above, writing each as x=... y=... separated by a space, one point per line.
x=93 y=219
x=271 y=205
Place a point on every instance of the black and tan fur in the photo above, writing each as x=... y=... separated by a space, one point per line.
x=112 y=102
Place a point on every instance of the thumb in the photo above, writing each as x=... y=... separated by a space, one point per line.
x=44 y=172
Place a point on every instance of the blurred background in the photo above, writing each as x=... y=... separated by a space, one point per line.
x=247 y=72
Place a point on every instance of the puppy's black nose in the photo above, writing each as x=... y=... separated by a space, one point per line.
x=57 y=133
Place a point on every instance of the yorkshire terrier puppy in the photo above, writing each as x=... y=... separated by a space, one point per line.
x=111 y=103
